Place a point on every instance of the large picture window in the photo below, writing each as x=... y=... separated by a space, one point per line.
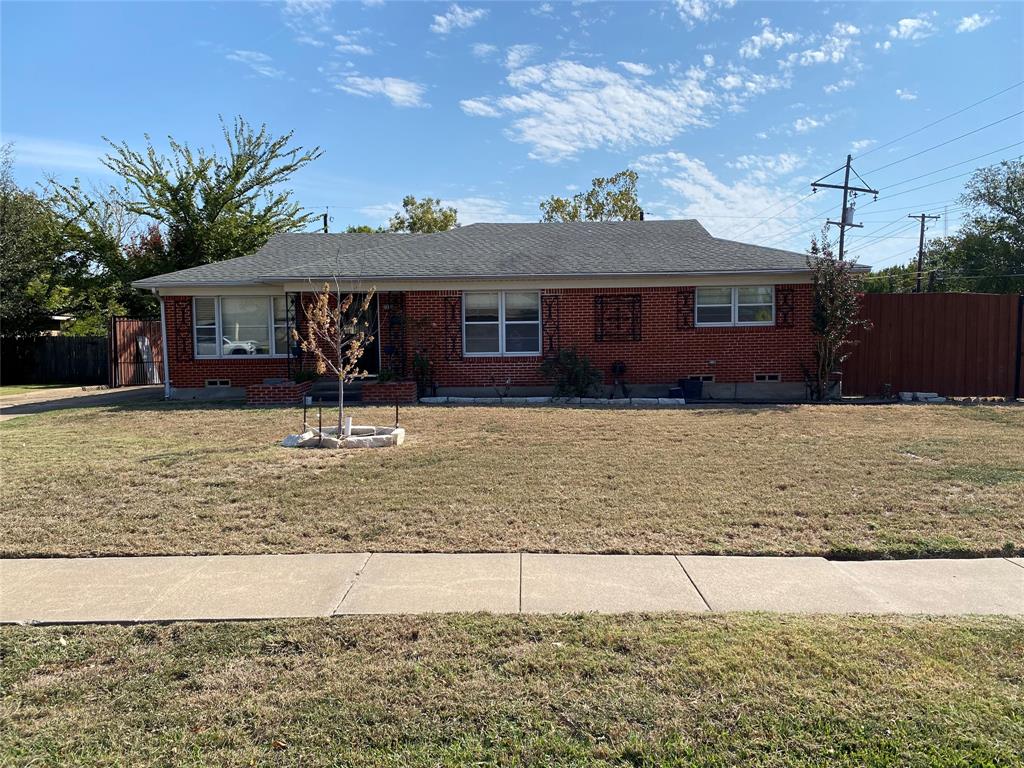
x=501 y=323
x=240 y=325
x=745 y=305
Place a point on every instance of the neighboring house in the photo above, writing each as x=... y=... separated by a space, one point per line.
x=487 y=302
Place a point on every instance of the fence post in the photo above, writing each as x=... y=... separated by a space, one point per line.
x=1018 y=362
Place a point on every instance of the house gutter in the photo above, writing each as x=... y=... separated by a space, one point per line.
x=163 y=344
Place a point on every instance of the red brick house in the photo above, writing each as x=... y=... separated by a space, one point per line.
x=659 y=301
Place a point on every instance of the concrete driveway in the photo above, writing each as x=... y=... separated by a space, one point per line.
x=44 y=400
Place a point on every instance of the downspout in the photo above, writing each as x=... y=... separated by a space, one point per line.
x=163 y=344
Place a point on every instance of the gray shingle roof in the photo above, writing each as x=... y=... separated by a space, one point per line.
x=495 y=250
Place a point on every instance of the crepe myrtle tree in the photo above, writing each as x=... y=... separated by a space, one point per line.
x=835 y=313
x=337 y=331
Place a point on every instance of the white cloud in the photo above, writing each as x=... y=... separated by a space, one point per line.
x=55 y=154
x=307 y=19
x=692 y=11
x=480 y=209
x=258 y=62
x=308 y=12
x=905 y=95
x=563 y=108
x=636 y=69
x=727 y=210
x=479 y=108
x=309 y=40
x=833 y=48
x=483 y=50
x=768 y=38
x=841 y=85
x=884 y=45
x=805 y=124
x=916 y=28
x=860 y=144
x=709 y=60
x=763 y=167
x=401 y=93
x=456 y=17
x=974 y=22
x=517 y=55
x=544 y=9
x=730 y=82
x=349 y=43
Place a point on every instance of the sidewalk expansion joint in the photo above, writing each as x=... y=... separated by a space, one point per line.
x=688 y=576
x=355 y=578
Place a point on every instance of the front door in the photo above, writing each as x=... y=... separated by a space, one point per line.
x=370 y=361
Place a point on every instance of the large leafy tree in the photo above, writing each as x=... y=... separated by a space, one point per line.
x=423 y=216
x=32 y=245
x=214 y=206
x=609 y=199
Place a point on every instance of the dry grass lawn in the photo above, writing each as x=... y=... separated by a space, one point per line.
x=835 y=480
x=508 y=691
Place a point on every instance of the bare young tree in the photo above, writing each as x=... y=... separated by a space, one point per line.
x=337 y=331
x=836 y=313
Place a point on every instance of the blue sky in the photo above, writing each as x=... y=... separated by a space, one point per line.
x=727 y=110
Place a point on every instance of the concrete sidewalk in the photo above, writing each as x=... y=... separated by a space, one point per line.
x=137 y=589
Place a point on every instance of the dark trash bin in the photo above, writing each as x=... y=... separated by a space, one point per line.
x=693 y=389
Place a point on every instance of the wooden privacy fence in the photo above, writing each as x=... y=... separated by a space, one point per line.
x=956 y=344
x=136 y=352
x=54 y=360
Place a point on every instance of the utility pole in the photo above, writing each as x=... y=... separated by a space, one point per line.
x=846 y=218
x=325 y=223
x=920 y=246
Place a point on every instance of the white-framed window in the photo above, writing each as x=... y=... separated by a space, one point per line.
x=228 y=326
x=742 y=305
x=500 y=323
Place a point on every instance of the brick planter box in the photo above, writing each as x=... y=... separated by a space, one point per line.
x=389 y=392
x=277 y=392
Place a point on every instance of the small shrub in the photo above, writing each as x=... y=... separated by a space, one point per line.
x=300 y=376
x=572 y=373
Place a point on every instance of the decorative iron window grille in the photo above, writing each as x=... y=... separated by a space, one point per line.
x=394 y=310
x=617 y=318
x=551 y=313
x=291 y=321
x=684 y=309
x=784 y=306
x=452 y=327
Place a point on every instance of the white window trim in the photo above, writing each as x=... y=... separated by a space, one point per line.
x=735 y=305
x=220 y=331
x=501 y=327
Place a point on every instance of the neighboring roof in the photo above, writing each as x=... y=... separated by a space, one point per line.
x=581 y=249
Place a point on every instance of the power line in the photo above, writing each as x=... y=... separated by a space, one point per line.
x=875 y=149
x=950 y=141
x=941 y=119
x=954 y=165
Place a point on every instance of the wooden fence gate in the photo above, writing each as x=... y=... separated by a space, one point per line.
x=135 y=352
x=956 y=344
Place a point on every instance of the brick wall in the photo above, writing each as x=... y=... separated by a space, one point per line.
x=284 y=393
x=669 y=347
x=388 y=392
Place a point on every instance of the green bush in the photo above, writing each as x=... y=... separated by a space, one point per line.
x=300 y=376
x=572 y=373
